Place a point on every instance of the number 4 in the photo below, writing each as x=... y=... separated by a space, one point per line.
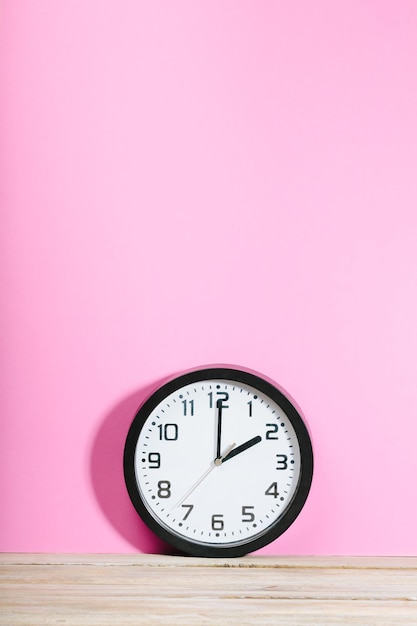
x=272 y=490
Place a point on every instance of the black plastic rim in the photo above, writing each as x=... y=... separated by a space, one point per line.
x=273 y=531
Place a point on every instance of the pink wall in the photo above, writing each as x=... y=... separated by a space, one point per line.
x=186 y=183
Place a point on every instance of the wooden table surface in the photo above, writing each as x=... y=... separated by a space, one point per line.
x=102 y=590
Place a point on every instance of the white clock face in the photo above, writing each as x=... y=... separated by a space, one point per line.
x=217 y=462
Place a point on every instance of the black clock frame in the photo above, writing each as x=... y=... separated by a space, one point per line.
x=273 y=531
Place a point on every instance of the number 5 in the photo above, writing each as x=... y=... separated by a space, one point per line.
x=247 y=515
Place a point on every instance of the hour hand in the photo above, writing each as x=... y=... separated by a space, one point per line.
x=242 y=447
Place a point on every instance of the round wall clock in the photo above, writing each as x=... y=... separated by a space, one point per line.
x=218 y=462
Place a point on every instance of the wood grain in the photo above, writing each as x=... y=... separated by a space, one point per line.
x=123 y=590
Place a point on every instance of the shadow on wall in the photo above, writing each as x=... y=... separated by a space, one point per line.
x=108 y=480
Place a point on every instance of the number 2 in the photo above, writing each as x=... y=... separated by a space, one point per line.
x=269 y=433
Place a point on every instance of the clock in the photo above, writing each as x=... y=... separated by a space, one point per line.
x=218 y=462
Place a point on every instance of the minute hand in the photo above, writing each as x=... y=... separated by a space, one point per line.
x=242 y=447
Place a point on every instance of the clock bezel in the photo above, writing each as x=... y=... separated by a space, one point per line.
x=277 y=528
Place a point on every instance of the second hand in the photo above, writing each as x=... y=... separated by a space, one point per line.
x=214 y=464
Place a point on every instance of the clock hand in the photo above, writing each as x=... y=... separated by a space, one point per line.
x=219 y=427
x=218 y=461
x=241 y=448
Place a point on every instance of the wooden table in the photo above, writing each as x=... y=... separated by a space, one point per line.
x=120 y=590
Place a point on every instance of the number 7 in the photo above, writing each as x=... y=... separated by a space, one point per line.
x=189 y=507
